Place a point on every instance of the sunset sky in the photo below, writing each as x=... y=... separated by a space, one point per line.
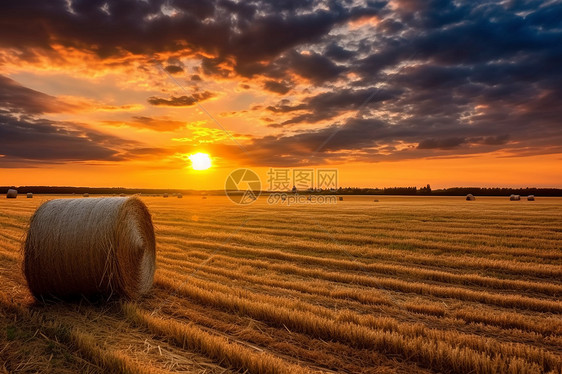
x=390 y=93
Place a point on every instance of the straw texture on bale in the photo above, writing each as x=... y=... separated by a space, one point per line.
x=12 y=194
x=94 y=247
x=29 y=195
x=470 y=197
x=531 y=198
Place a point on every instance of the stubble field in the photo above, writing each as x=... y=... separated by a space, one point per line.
x=403 y=285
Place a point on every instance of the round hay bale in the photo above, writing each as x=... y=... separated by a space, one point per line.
x=12 y=194
x=86 y=194
x=515 y=198
x=470 y=197
x=531 y=198
x=95 y=247
x=180 y=196
x=30 y=195
x=165 y=195
x=340 y=198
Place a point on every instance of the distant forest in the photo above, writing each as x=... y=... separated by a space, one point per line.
x=455 y=191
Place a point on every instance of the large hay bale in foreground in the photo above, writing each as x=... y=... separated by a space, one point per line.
x=470 y=197
x=91 y=247
x=531 y=198
x=12 y=194
x=30 y=195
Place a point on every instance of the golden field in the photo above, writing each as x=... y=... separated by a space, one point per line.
x=403 y=285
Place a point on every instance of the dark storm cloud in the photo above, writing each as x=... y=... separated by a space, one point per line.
x=482 y=78
x=424 y=78
x=181 y=100
x=314 y=67
x=173 y=69
x=25 y=140
x=447 y=143
x=337 y=53
x=17 y=98
x=253 y=31
x=375 y=140
x=277 y=87
x=330 y=104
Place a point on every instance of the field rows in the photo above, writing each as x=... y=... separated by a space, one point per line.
x=406 y=285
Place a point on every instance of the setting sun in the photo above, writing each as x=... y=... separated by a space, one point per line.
x=200 y=161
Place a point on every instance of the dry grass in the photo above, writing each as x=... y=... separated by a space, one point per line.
x=408 y=285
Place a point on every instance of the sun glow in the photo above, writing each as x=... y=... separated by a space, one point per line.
x=200 y=161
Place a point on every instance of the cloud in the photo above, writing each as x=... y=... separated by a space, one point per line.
x=181 y=101
x=396 y=79
x=277 y=87
x=173 y=69
x=327 y=105
x=19 y=99
x=25 y=140
x=162 y=124
x=314 y=67
x=447 y=143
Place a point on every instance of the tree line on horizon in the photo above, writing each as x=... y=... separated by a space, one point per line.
x=426 y=190
x=454 y=191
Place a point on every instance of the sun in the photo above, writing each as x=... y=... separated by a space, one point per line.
x=200 y=161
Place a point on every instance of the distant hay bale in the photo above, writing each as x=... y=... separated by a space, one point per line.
x=470 y=197
x=30 y=195
x=515 y=198
x=122 y=194
x=12 y=194
x=340 y=198
x=204 y=197
x=95 y=247
x=376 y=200
x=86 y=194
x=531 y=198
x=180 y=196
x=165 y=195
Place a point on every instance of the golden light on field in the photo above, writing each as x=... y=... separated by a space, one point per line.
x=200 y=161
x=405 y=270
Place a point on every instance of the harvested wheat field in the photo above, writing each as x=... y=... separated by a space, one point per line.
x=408 y=285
